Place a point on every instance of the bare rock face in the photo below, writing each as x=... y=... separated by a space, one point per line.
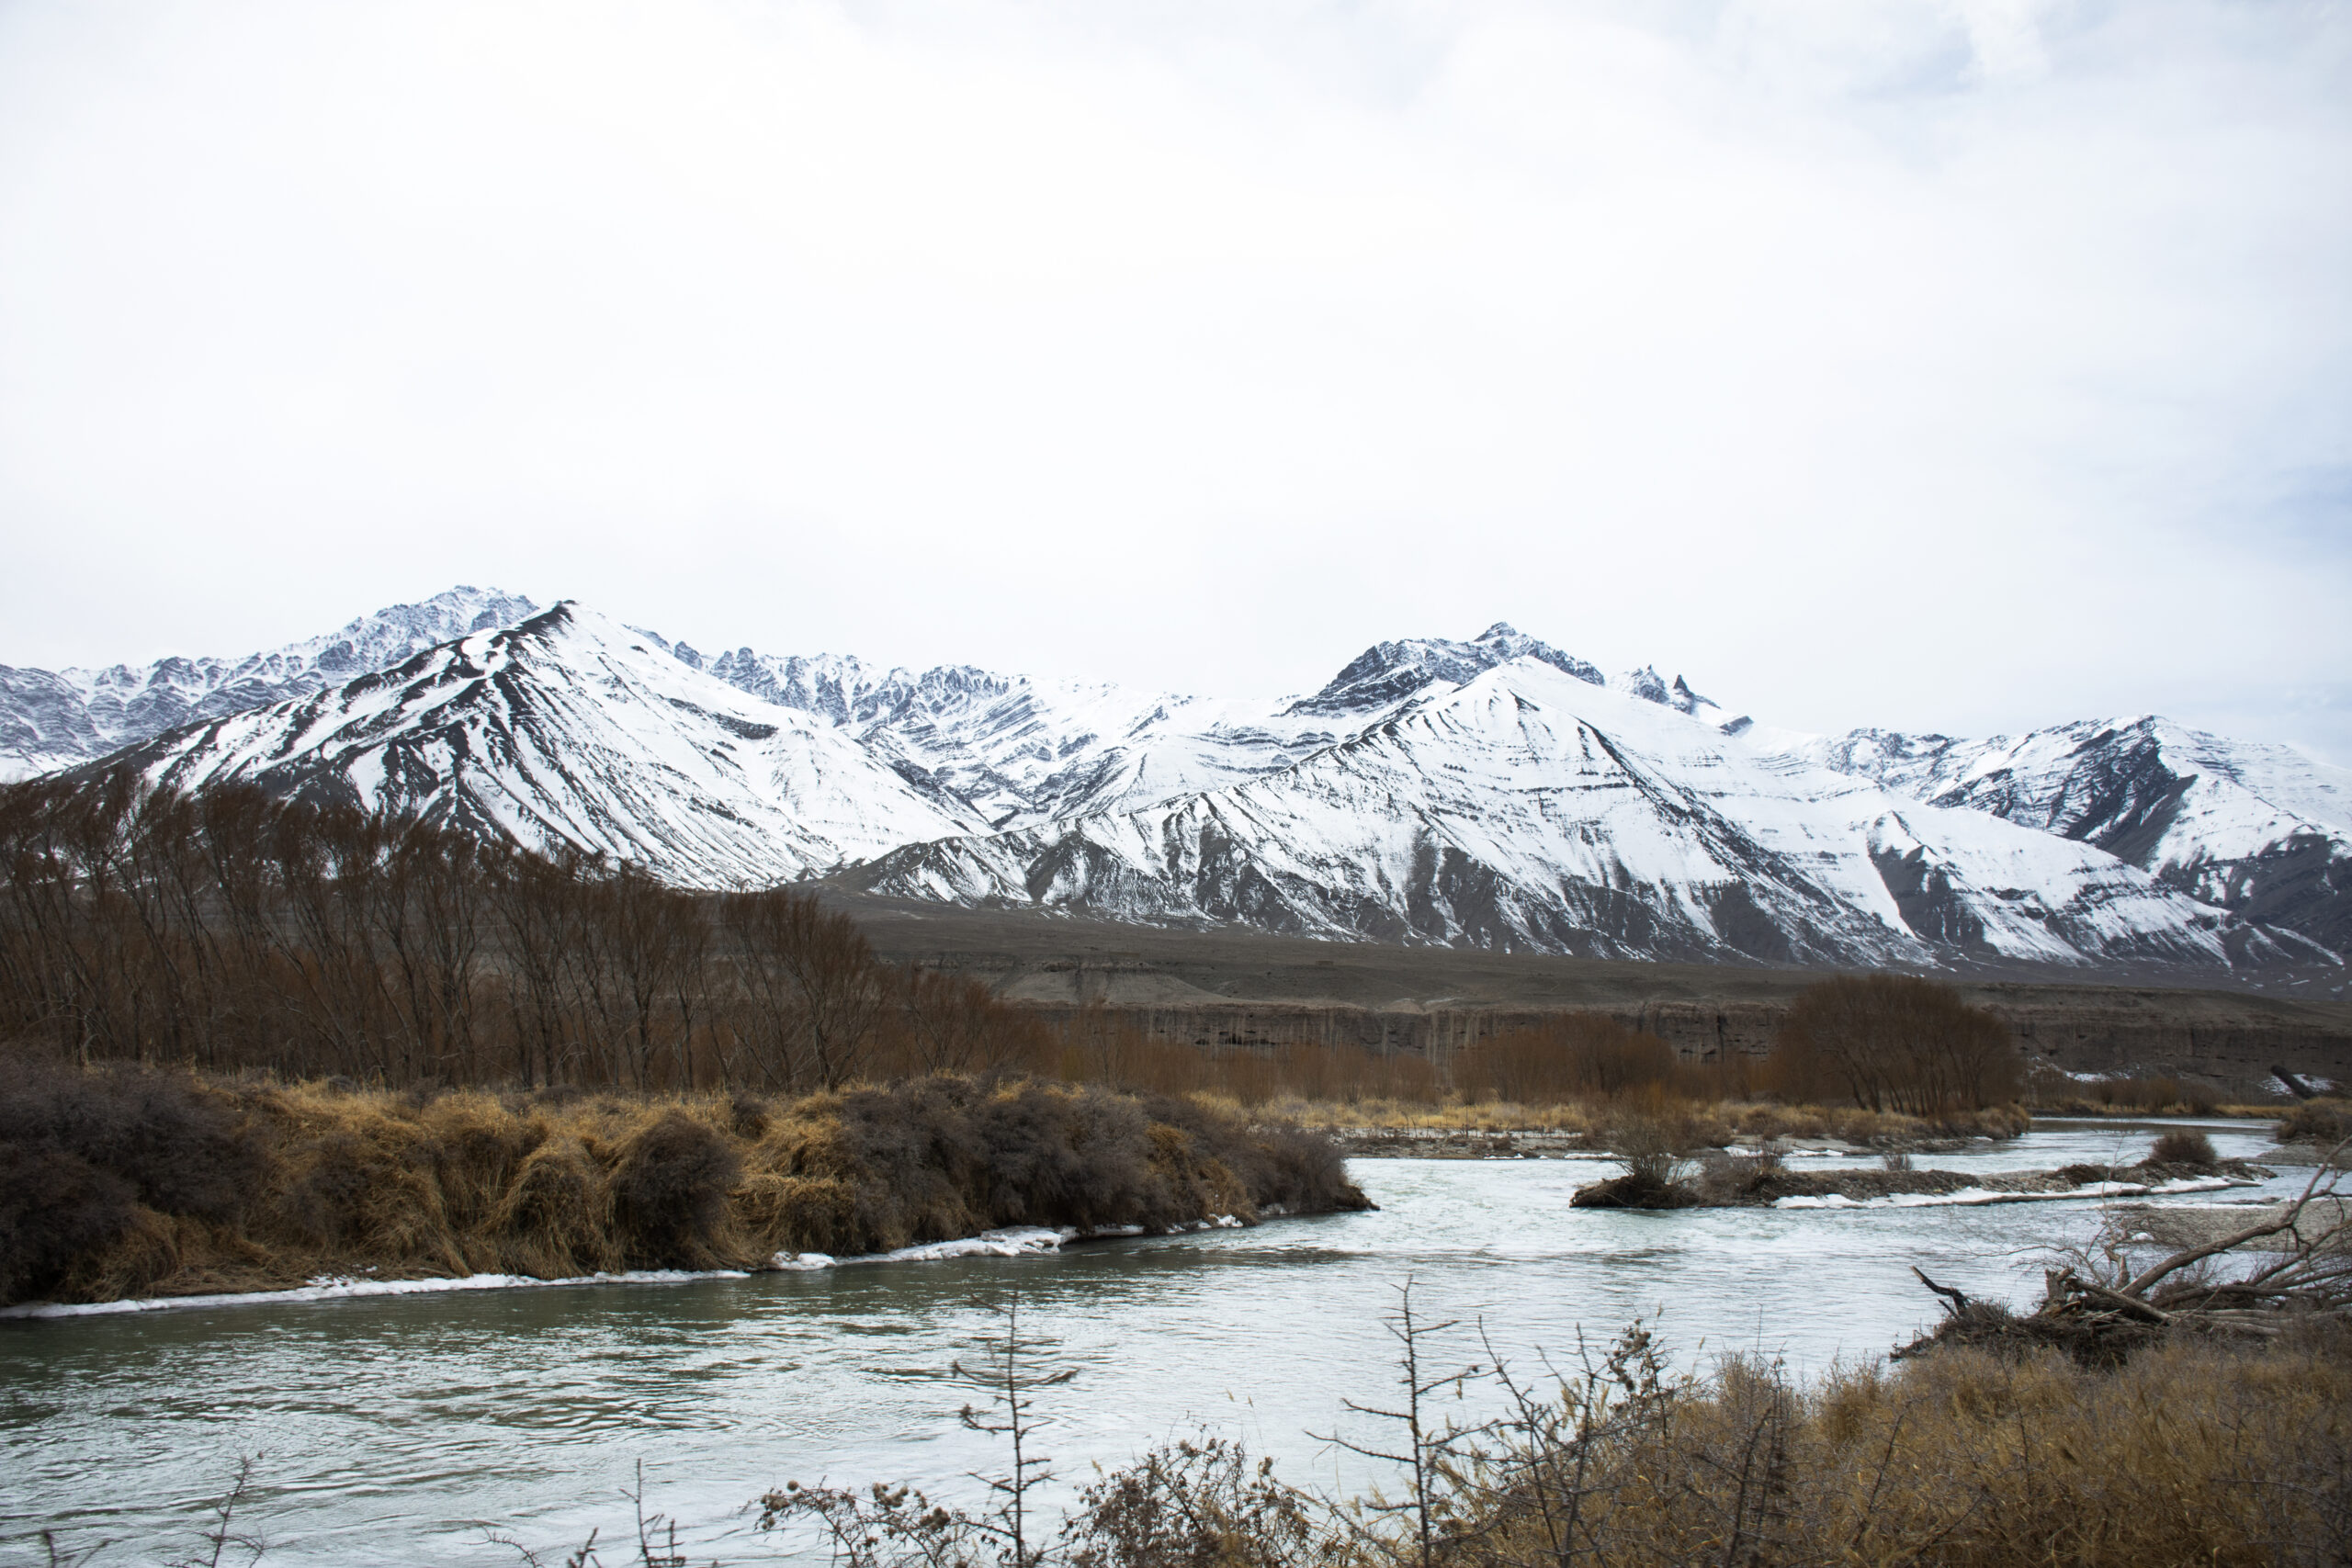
x=2260 y=830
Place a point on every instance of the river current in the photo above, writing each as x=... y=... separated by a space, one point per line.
x=412 y=1428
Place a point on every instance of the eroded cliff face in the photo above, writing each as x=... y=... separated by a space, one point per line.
x=1233 y=987
x=2143 y=1033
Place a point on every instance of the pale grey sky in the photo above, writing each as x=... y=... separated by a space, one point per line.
x=1969 y=365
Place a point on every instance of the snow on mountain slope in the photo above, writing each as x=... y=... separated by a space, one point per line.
x=1027 y=751
x=1492 y=792
x=570 y=728
x=2260 y=829
x=1531 y=808
x=51 y=719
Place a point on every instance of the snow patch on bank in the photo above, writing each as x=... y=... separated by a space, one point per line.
x=327 y=1288
x=1014 y=1242
x=1017 y=1241
x=1968 y=1196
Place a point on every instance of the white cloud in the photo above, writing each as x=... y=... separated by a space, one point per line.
x=1936 y=364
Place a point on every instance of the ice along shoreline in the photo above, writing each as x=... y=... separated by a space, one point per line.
x=1012 y=1241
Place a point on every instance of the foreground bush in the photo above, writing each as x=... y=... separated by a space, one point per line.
x=2194 y=1452
x=2190 y=1454
x=128 y=1182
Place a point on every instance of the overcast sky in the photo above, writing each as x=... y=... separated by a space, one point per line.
x=1968 y=366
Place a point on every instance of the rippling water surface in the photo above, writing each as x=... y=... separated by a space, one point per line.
x=401 y=1428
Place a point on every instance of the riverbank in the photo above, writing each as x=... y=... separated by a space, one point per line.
x=1753 y=1183
x=1503 y=1130
x=531 y=1405
x=127 y=1185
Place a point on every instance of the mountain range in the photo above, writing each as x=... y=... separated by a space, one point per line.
x=1493 y=792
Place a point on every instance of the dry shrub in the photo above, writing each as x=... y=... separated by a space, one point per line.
x=2190 y=1453
x=554 y=1222
x=943 y=1156
x=55 y=1209
x=1653 y=1149
x=2316 y=1121
x=670 y=1187
x=98 y=1166
x=184 y=1148
x=557 y=1184
x=2182 y=1145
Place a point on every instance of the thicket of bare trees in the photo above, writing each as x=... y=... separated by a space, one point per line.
x=1893 y=1043
x=228 y=930
x=1576 y=1056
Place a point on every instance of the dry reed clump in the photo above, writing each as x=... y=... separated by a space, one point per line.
x=2316 y=1121
x=874 y=1169
x=121 y=1183
x=670 y=1185
x=2190 y=1453
x=2182 y=1145
x=554 y=1221
x=1475 y=1116
x=1720 y=1121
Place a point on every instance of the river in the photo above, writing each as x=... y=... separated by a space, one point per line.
x=408 y=1427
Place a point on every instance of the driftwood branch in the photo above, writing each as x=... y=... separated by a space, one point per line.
x=2294 y=1212
x=1955 y=1302
x=2130 y=1305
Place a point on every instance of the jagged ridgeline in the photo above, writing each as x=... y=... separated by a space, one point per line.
x=1495 y=792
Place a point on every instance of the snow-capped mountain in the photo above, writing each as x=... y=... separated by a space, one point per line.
x=1494 y=792
x=570 y=728
x=1027 y=751
x=1531 y=808
x=1023 y=750
x=55 y=718
x=2258 y=830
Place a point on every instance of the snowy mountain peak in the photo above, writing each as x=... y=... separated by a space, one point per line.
x=1651 y=687
x=1491 y=792
x=570 y=728
x=2257 y=829
x=52 y=719
x=1388 y=672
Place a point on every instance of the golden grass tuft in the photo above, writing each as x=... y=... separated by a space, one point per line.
x=2191 y=1453
x=556 y=1186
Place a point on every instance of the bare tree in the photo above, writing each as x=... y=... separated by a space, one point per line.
x=1431 y=1448
x=812 y=989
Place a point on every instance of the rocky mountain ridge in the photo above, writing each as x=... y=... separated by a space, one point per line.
x=1492 y=792
x=569 y=729
x=57 y=718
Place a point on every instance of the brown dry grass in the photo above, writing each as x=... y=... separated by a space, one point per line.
x=559 y=1185
x=1699 y=1124
x=2189 y=1454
